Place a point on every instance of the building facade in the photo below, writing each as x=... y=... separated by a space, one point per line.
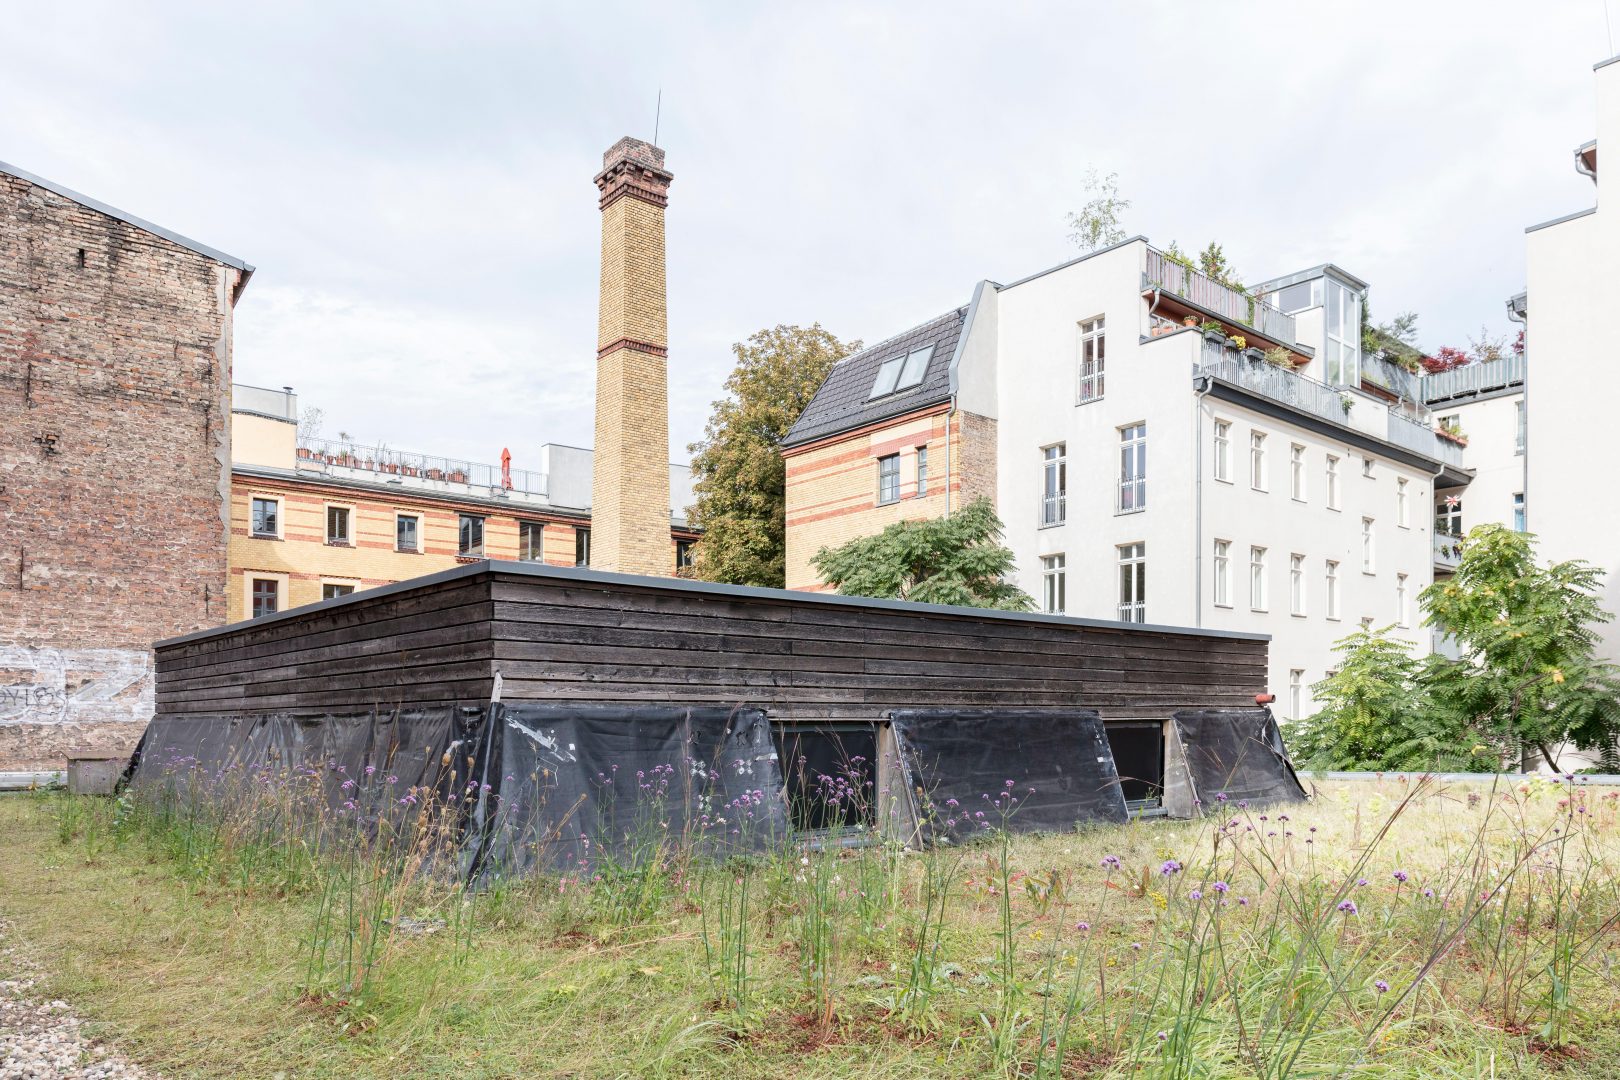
x=315 y=519
x=115 y=374
x=1162 y=449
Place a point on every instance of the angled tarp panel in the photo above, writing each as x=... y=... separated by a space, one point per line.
x=1238 y=753
x=1059 y=763
x=580 y=786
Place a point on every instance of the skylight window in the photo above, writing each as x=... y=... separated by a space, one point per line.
x=902 y=372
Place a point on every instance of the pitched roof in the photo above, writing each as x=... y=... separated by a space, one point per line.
x=845 y=400
x=139 y=223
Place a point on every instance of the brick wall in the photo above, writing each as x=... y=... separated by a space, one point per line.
x=832 y=485
x=115 y=361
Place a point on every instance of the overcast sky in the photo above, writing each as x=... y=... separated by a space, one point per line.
x=413 y=181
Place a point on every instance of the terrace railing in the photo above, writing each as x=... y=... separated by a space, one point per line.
x=1417 y=436
x=1201 y=290
x=1447 y=550
x=1274 y=382
x=404 y=463
x=1474 y=379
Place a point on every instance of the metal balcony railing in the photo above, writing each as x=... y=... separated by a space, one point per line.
x=330 y=453
x=1203 y=291
x=1052 y=509
x=1133 y=611
x=1277 y=383
x=1474 y=379
x=1447 y=550
x=1420 y=437
x=1131 y=496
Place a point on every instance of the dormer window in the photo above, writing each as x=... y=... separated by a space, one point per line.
x=902 y=372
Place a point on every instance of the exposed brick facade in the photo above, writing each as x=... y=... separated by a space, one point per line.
x=115 y=375
x=630 y=485
x=832 y=485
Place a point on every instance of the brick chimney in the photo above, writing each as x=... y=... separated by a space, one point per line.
x=630 y=479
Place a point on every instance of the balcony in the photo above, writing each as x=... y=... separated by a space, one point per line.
x=1420 y=438
x=1473 y=380
x=328 y=455
x=1131 y=498
x=1392 y=378
x=1447 y=551
x=1052 y=509
x=1272 y=381
x=1206 y=294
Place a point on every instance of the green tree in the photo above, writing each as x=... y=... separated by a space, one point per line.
x=952 y=560
x=1097 y=224
x=1528 y=633
x=739 y=478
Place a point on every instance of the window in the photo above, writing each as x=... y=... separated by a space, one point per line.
x=1257 y=461
x=1257 y=578
x=531 y=541
x=407 y=533
x=1342 y=360
x=901 y=372
x=1295 y=297
x=1296 y=472
x=1332 y=482
x=685 y=555
x=266 y=597
x=1400 y=599
x=1053 y=584
x=1133 y=583
x=1296 y=694
x=1296 y=584
x=1366 y=466
x=1332 y=589
x=1223 y=450
x=582 y=547
x=267 y=517
x=337 y=525
x=1366 y=545
x=888 y=479
x=1132 y=469
x=1366 y=622
x=1518 y=511
x=922 y=471
x=1518 y=427
x=1448 y=519
x=1400 y=502
x=471 y=542
x=1054 y=484
x=331 y=590
x=1223 y=573
x=1092 y=342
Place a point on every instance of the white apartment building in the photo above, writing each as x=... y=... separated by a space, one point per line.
x=1572 y=273
x=1150 y=470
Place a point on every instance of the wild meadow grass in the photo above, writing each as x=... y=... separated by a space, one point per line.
x=1415 y=929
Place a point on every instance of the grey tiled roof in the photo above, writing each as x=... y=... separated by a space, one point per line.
x=844 y=401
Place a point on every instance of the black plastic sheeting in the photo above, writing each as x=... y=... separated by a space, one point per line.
x=1238 y=753
x=958 y=763
x=578 y=785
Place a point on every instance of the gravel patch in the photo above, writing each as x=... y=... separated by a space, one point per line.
x=41 y=1040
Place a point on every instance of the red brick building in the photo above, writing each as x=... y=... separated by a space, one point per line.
x=115 y=381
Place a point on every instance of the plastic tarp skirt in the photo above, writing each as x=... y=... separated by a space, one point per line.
x=1238 y=753
x=595 y=788
x=961 y=766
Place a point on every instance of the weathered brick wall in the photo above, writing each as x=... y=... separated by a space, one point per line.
x=115 y=360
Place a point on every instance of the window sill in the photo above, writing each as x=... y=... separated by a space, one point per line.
x=1335 y=509
x=1222 y=480
x=1261 y=490
x=1260 y=611
x=1088 y=401
x=1132 y=510
x=1334 y=618
x=264 y=536
x=466 y=556
x=339 y=543
x=1051 y=525
x=1223 y=607
x=1298 y=615
x=887 y=502
x=408 y=551
x=1369 y=573
x=1296 y=498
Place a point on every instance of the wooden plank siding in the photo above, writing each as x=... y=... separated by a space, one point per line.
x=560 y=634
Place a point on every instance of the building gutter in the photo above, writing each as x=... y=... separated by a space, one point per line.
x=1522 y=317
x=1203 y=384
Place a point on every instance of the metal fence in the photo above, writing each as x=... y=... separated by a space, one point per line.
x=404 y=463
x=1420 y=437
x=1277 y=383
x=1200 y=289
x=1474 y=379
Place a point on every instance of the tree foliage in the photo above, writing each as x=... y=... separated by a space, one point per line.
x=952 y=560
x=1097 y=225
x=739 y=478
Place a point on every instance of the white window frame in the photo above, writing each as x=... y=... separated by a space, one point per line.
x=283 y=582
x=1133 y=582
x=1367 y=466
x=1296 y=584
x=1222 y=457
x=351 y=521
x=1402 y=514
x=1221 y=576
x=421 y=531
x=1130 y=495
x=1054 y=484
x=1400 y=601
x=1296 y=688
x=922 y=471
x=1054 y=584
x=352 y=584
x=1296 y=472
x=1332 y=482
x=1258 y=599
x=1091 y=360
x=1518 y=426
x=1369 y=546
x=1342 y=364
x=280 y=532
x=1257 y=460
x=1332 y=589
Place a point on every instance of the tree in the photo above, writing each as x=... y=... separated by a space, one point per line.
x=952 y=560
x=1528 y=633
x=1097 y=225
x=1212 y=261
x=739 y=478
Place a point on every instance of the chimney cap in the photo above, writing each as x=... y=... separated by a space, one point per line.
x=633 y=150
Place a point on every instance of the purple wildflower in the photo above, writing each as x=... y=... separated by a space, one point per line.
x=1170 y=867
x=1380 y=985
x=1347 y=906
x=1401 y=876
x=1220 y=886
x=1082 y=926
x=1110 y=862
x=1196 y=894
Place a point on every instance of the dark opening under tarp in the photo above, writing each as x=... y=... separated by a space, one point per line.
x=961 y=765
x=1238 y=753
x=577 y=785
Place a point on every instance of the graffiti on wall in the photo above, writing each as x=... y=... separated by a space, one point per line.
x=74 y=686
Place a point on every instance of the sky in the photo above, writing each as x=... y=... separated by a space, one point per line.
x=413 y=182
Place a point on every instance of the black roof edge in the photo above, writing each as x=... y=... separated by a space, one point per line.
x=687 y=585
x=929 y=402
x=128 y=218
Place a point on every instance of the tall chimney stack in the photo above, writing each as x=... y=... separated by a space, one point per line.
x=630 y=479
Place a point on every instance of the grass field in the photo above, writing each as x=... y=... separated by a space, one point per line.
x=1394 y=930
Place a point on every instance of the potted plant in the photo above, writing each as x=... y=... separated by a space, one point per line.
x=1277 y=356
x=1189 y=320
x=1346 y=402
x=1214 y=333
x=1239 y=342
